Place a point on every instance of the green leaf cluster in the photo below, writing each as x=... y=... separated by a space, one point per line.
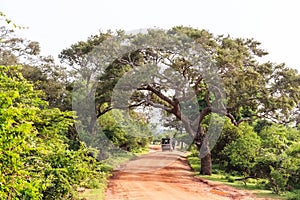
x=130 y=133
x=261 y=150
x=36 y=161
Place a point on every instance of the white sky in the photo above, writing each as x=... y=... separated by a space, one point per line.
x=57 y=24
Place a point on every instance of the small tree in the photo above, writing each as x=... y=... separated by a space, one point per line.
x=244 y=151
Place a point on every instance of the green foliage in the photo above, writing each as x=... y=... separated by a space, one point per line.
x=124 y=131
x=229 y=134
x=41 y=157
x=36 y=161
x=278 y=159
x=194 y=160
x=279 y=180
x=77 y=53
x=52 y=80
x=275 y=139
x=230 y=179
x=272 y=153
x=253 y=90
x=243 y=151
x=259 y=125
x=293 y=166
x=39 y=70
x=295 y=195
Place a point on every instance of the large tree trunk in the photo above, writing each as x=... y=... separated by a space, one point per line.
x=206 y=165
x=202 y=144
x=91 y=125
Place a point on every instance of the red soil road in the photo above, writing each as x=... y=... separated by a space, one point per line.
x=165 y=175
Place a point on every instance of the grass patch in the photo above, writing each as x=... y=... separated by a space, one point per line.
x=92 y=194
x=251 y=185
x=194 y=163
x=257 y=186
x=295 y=195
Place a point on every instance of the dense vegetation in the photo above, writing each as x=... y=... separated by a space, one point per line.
x=41 y=153
x=262 y=151
x=48 y=151
x=37 y=160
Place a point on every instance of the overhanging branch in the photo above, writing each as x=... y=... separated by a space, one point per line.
x=158 y=93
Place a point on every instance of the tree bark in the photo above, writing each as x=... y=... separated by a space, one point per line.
x=205 y=159
x=91 y=125
x=202 y=144
x=206 y=165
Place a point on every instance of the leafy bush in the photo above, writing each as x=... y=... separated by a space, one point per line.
x=271 y=154
x=243 y=151
x=278 y=180
x=126 y=132
x=194 y=162
x=295 y=195
x=36 y=160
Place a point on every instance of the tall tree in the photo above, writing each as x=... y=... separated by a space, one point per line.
x=252 y=90
x=190 y=73
x=40 y=70
x=83 y=73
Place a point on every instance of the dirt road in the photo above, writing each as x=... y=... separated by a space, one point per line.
x=165 y=175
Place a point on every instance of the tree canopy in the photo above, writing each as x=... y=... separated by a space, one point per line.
x=186 y=72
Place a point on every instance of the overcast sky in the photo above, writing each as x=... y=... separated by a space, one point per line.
x=57 y=24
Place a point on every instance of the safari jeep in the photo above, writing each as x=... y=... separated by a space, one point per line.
x=166 y=144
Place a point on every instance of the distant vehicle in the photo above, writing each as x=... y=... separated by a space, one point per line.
x=167 y=144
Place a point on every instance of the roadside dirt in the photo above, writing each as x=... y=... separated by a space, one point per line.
x=165 y=175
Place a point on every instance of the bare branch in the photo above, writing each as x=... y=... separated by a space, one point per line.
x=100 y=113
x=231 y=117
x=137 y=104
x=156 y=105
x=237 y=123
x=196 y=88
